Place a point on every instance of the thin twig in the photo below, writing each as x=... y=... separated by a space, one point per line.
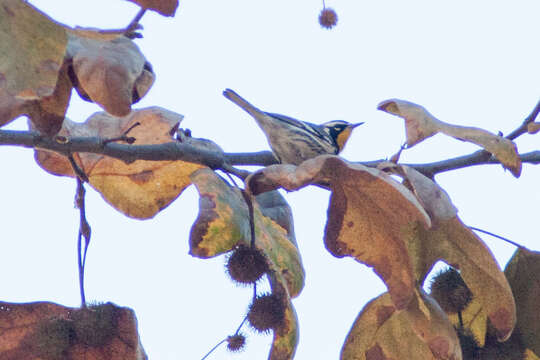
x=134 y=24
x=214 y=348
x=76 y=169
x=240 y=326
x=84 y=231
x=498 y=237
x=129 y=139
x=241 y=174
x=523 y=128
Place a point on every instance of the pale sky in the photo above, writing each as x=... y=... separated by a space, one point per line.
x=471 y=63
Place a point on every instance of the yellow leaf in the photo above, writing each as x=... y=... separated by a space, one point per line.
x=420 y=331
x=223 y=223
x=370 y=215
x=451 y=241
x=139 y=189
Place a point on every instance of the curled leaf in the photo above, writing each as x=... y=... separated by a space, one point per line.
x=108 y=69
x=370 y=215
x=33 y=80
x=420 y=331
x=224 y=222
x=139 y=189
x=420 y=124
x=451 y=241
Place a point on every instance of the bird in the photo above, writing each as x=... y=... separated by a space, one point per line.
x=293 y=141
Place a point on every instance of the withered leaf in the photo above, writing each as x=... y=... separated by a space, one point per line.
x=286 y=334
x=108 y=69
x=451 y=241
x=40 y=61
x=140 y=189
x=33 y=81
x=32 y=48
x=522 y=273
x=420 y=124
x=164 y=7
x=370 y=215
x=223 y=223
x=23 y=338
x=420 y=331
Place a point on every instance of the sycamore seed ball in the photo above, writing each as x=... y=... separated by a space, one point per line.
x=328 y=18
x=246 y=265
x=236 y=342
x=266 y=312
x=450 y=291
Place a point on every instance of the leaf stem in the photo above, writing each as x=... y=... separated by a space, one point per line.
x=498 y=237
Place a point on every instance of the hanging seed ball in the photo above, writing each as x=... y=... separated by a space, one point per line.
x=328 y=18
x=469 y=346
x=266 y=312
x=246 y=265
x=236 y=342
x=450 y=291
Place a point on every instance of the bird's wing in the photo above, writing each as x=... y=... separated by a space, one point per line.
x=313 y=129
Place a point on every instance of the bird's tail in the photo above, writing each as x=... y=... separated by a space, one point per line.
x=243 y=103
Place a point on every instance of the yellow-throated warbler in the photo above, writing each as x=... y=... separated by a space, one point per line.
x=293 y=141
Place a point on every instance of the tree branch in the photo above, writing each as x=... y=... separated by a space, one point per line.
x=523 y=128
x=176 y=150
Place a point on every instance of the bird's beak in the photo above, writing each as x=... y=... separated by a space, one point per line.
x=355 y=125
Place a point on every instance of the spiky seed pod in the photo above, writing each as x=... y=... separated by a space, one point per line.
x=95 y=326
x=469 y=346
x=236 y=342
x=450 y=291
x=328 y=18
x=246 y=265
x=266 y=312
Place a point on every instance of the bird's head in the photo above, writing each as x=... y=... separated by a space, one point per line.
x=340 y=131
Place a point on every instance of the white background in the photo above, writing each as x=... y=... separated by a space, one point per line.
x=468 y=62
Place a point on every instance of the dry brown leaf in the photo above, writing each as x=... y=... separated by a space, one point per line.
x=522 y=273
x=420 y=124
x=223 y=223
x=40 y=61
x=32 y=48
x=140 y=189
x=421 y=331
x=108 y=69
x=370 y=215
x=451 y=241
x=164 y=7
x=21 y=327
x=32 y=79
